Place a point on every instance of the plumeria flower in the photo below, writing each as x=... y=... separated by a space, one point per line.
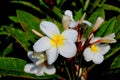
x=55 y=43
x=38 y=67
x=95 y=53
x=73 y=23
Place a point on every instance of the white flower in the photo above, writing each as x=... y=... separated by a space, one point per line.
x=55 y=43
x=95 y=53
x=73 y=23
x=38 y=69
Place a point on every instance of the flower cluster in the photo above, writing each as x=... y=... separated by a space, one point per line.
x=69 y=43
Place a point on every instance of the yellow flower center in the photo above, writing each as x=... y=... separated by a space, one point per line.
x=57 y=40
x=94 y=48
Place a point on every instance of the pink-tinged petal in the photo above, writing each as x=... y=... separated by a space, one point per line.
x=50 y=69
x=68 y=50
x=88 y=55
x=52 y=55
x=98 y=58
x=30 y=54
x=70 y=34
x=73 y=24
x=30 y=68
x=49 y=28
x=42 y=44
x=104 y=48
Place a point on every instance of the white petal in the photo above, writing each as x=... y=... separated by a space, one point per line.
x=98 y=58
x=52 y=55
x=69 y=13
x=88 y=23
x=31 y=68
x=88 y=55
x=65 y=22
x=42 y=44
x=68 y=50
x=95 y=39
x=30 y=53
x=70 y=34
x=40 y=70
x=73 y=24
x=49 y=28
x=104 y=48
x=50 y=69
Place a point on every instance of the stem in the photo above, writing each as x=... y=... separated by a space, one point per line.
x=67 y=71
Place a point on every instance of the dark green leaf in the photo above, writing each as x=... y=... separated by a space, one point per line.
x=98 y=13
x=13 y=18
x=117 y=24
x=106 y=28
x=28 y=21
x=78 y=14
x=28 y=4
x=8 y=50
x=116 y=63
x=110 y=7
x=110 y=27
x=21 y=37
x=58 y=12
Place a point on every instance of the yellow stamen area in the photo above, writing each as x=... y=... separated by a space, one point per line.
x=94 y=48
x=57 y=40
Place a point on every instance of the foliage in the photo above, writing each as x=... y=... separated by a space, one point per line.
x=19 y=31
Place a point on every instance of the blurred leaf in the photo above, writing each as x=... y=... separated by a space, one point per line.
x=110 y=27
x=13 y=18
x=3 y=31
x=86 y=4
x=98 y=13
x=28 y=4
x=8 y=50
x=118 y=35
x=43 y=4
x=114 y=48
x=116 y=63
x=78 y=14
x=20 y=36
x=105 y=27
x=117 y=24
x=58 y=12
x=110 y=7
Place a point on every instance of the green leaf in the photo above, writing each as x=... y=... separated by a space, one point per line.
x=110 y=27
x=28 y=4
x=106 y=28
x=8 y=50
x=13 y=67
x=110 y=7
x=58 y=12
x=13 y=18
x=116 y=63
x=118 y=35
x=21 y=37
x=117 y=24
x=28 y=21
x=98 y=13
x=114 y=49
x=78 y=14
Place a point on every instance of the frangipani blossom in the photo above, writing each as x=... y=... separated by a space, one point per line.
x=38 y=67
x=73 y=23
x=55 y=43
x=95 y=53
